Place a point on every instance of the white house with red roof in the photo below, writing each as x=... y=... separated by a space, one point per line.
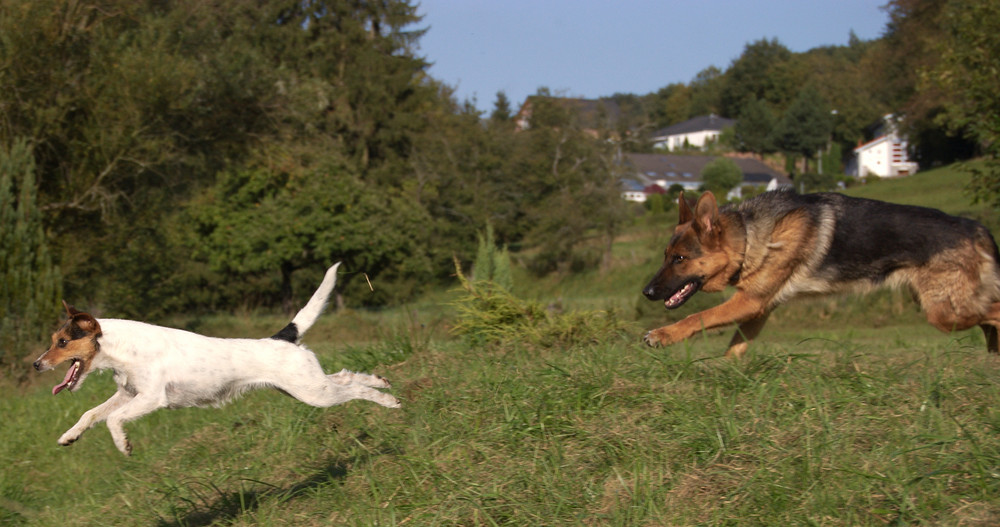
x=886 y=155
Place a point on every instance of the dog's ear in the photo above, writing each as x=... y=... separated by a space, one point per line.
x=81 y=320
x=70 y=310
x=86 y=323
x=685 y=210
x=706 y=213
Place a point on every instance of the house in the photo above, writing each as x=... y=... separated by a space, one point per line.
x=886 y=155
x=632 y=190
x=693 y=133
x=594 y=116
x=667 y=170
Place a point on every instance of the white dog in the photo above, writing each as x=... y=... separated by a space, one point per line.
x=157 y=367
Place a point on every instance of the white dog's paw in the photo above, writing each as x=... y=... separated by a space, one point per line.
x=380 y=382
x=124 y=446
x=68 y=438
x=388 y=401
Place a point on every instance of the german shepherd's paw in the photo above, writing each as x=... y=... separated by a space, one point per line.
x=667 y=335
x=658 y=337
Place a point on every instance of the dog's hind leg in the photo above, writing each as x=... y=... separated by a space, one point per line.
x=364 y=379
x=744 y=335
x=319 y=389
x=992 y=344
x=991 y=328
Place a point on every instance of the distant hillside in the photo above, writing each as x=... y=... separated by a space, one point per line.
x=940 y=188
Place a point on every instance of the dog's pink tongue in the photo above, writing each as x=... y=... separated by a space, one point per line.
x=69 y=376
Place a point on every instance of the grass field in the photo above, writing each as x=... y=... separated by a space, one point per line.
x=847 y=411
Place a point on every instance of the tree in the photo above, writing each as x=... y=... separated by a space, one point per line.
x=764 y=71
x=671 y=104
x=30 y=284
x=721 y=175
x=153 y=100
x=967 y=71
x=806 y=125
x=752 y=131
x=501 y=108
x=565 y=184
x=706 y=92
x=261 y=219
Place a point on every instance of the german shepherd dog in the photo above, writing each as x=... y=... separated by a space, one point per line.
x=780 y=245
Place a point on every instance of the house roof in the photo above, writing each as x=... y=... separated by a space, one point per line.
x=631 y=185
x=682 y=168
x=872 y=143
x=755 y=171
x=671 y=168
x=698 y=124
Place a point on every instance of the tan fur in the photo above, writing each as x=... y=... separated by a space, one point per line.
x=778 y=258
x=65 y=348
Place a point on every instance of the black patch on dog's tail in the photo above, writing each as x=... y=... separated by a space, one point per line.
x=289 y=333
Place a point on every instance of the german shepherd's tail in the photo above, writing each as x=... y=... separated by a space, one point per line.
x=307 y=316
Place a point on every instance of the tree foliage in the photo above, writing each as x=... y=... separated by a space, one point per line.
x=968 y=71
x=721 y=175
x=30 y=284
x=752 y=131
x=492 y=262
x=190 y=154
x=764 y=71
x=258 y=220
x=806 y=126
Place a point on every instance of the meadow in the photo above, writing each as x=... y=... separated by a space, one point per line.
x=847 y=411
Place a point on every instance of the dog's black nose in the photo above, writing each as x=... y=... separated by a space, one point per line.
x=649 y=292
x=38 y=365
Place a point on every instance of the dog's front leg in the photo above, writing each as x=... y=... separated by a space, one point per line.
x=739 y=308
x=93 y=416
x=137 y=407
x=745 y=334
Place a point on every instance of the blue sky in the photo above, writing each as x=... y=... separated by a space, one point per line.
x=593 y=48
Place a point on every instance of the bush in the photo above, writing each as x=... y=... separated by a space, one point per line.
x=492 y=262
x=721 y=175
x=490 y=314
x=813 y=182
x=657 y=203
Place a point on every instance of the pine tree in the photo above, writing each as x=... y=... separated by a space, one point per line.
x=30 y=285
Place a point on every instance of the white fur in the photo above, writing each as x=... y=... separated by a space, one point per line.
x=158 y=367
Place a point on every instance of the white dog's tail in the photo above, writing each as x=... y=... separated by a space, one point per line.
x=307 y=316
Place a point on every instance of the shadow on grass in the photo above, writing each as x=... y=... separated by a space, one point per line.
x=215 y=506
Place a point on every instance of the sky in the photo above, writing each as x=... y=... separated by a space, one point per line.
x=595 y=48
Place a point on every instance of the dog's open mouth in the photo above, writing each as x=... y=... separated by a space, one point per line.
x=682 y=295
x=72 y=377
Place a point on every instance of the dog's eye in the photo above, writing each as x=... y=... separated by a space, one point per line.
x=678 y=258
x=63 y=342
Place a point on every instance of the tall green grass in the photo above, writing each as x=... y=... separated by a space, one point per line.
x=870 y=428
x=847 y=411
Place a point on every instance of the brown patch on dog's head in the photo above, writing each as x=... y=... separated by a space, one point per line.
x=74 y=341
x=695 y=258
